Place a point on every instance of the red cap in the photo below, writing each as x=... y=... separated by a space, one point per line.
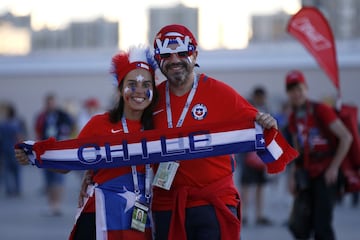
x=91 y=102
x=294 y=77
x=177 y=34
x=175 y=30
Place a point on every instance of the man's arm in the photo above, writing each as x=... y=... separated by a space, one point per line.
x=345 y=139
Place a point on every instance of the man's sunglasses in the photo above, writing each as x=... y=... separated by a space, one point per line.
x=179 y=54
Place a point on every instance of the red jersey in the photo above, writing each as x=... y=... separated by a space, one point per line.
x=308 y=125
x=213 y=102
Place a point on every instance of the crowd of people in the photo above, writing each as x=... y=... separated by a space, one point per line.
x=202 y=204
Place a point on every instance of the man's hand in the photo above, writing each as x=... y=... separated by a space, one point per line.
x=266 y=120
x=331 y=175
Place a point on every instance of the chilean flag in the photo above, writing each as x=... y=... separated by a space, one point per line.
x=114 y=202
x=163 y=145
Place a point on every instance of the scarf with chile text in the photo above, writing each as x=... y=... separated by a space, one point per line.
x=163 y=145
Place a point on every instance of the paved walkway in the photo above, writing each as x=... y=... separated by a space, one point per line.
x=278 y=204
x=26 y=218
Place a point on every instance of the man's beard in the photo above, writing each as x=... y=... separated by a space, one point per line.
x=178 y=78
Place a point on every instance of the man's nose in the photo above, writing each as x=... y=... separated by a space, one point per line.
x=174 y=57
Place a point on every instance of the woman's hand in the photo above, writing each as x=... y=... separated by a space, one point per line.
x=21 y=157
x=86 y=181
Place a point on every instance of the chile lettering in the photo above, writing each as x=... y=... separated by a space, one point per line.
x=93 y=154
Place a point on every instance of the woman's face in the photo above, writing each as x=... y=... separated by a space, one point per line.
x=137 y=90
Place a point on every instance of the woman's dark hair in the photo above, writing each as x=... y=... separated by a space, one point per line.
x=147 y=117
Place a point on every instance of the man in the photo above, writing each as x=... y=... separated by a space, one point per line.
x=253 y=170
x=202 y=202
x=314 y=178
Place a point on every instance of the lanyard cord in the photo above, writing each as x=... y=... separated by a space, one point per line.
x=305 y=133
x=308 y=112
x=186 y=107
x=134 y=172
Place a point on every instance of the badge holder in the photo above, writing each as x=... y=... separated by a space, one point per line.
x=165 y=174
x=139 y=216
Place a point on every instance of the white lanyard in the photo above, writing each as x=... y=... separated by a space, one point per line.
x=134 y=172
x=186 y=107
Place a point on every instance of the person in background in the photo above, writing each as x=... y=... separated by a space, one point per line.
x=53 y=122
x=2 y=118
x=253 y=171
x=91 y=107
x=314 y=175
x=12 y=131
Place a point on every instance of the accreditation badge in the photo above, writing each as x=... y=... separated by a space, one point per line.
x=165 y=174
x=139 y=216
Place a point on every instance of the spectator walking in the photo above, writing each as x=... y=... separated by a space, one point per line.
x=253 y=170
x=12 y=130
x=91 y=107
x=314 y=177
x=53 y=122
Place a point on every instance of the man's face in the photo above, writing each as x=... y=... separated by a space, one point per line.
x=297 y=95
x=177 y=66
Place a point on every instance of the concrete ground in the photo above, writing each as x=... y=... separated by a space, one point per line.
x=27 y=218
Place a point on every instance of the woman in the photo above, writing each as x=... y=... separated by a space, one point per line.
x=127 y=189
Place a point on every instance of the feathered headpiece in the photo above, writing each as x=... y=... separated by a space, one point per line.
x=136 y=57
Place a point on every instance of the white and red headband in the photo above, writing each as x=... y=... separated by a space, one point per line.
x=136 y=57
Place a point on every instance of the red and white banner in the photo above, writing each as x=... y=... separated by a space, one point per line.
x=311 y=28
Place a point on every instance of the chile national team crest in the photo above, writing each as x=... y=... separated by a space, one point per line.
x=199 y=111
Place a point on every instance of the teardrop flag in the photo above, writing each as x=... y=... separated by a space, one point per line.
x=311 y=28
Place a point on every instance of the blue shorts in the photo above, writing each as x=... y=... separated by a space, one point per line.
x=53 y=178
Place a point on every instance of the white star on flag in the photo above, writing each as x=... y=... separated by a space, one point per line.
x=130 y=198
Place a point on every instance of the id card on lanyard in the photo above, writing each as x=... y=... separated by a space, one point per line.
x=167 y=170
x=140 y=211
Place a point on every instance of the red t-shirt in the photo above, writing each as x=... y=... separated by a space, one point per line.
x=213 y=102
x=311 y=122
